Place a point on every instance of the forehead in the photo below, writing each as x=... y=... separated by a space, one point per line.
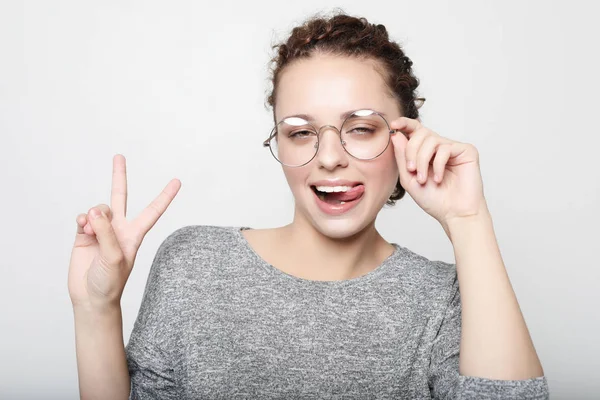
x=325 y=86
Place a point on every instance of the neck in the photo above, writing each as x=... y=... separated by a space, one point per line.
x=319 y=257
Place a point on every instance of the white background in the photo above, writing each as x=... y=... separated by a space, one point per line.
x=179 y=88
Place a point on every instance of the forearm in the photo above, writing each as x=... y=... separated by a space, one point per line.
x=101 y=360
x=495 y=341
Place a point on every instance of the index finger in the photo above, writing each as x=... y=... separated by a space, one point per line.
x=405 y=125
x=118 y=197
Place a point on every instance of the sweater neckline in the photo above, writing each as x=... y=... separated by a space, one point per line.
x=381 y=269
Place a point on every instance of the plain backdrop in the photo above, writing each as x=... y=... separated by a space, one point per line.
x=179 y=88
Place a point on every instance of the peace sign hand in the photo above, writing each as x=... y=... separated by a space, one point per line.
x=106 y=244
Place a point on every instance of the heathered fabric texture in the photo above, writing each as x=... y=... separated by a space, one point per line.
x=219 y=322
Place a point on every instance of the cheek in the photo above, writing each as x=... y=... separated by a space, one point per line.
x=382 y=173
x=296 y=178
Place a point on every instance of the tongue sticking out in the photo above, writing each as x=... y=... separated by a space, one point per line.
x=352 y=194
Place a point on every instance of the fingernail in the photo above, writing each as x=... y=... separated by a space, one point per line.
x=411 y=165
x=420 y=177
x=437 y=178
x=94 y=213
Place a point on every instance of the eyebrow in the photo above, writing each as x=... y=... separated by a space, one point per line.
x=343 y=115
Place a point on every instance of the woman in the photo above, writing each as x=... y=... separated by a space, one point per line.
x=324 y=306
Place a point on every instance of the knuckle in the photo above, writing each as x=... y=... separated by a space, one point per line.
x=442 y=150
x=154 y=208
x=421 y=131
x=100 y=207
x=431 y=141
x=105 y=208
x=424 y=157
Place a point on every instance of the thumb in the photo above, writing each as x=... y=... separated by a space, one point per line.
x=399 y=141
x=110 y=250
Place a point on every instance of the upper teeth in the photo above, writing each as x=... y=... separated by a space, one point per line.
x=330 y=189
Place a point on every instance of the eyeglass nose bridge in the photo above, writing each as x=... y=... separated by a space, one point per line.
x=335 y=128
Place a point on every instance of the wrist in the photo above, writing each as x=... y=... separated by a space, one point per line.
x=456 y=225
x=87 y=311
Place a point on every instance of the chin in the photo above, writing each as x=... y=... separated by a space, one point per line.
x=344 y=225
x=340 y=229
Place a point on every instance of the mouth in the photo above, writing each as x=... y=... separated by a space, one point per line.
x=337 y=200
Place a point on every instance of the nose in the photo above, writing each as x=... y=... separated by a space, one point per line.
x=331 y=153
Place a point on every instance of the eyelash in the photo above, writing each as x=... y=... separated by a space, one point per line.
x=298 y=133
x=369 y=130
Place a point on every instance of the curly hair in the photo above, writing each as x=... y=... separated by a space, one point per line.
x=350 y=36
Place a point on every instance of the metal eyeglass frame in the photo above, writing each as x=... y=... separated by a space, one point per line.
x=267 y=143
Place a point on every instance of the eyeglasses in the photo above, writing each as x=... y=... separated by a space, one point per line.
x=364 y=134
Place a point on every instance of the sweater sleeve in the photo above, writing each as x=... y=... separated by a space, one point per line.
x=445 y=382
x=149 y=350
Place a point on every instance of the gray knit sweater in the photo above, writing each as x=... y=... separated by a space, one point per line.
x=219 y=322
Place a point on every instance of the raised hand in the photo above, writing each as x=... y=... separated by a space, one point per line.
x=106 y=243
x=440 y=174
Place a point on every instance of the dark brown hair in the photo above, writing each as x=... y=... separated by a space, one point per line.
x=349 y=36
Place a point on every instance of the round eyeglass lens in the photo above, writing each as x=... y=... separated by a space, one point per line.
x=295 y=141
x=365 y=134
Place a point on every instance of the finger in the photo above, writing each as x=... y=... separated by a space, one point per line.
x=110 y=251
x=83 y=225
x=103 y=208
x=458 y=149
x=406 y=125
x=155 y=210
x=405 y=175
x=425 y=157
x=413 y=147
x=81 y=220
x=118 y=198
x=441 y=159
